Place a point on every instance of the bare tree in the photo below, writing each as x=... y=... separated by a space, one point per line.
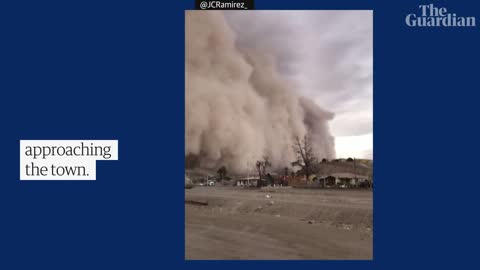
x=306 y=159
x=262 y=166
x=222 y=172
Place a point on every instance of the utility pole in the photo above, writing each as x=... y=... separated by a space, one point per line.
x=355 y=169
x=248 y=172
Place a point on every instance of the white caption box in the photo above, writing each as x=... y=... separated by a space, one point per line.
x=64 y=159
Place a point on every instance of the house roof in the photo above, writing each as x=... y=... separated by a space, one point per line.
x=344 y=175
x=246 y=178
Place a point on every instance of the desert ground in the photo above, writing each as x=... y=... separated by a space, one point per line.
x=278 y=224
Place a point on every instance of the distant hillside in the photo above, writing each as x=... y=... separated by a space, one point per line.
x=359 y=166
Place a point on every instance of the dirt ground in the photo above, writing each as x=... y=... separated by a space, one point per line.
x=278 y=224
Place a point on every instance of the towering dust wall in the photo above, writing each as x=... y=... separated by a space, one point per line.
x=237 y=106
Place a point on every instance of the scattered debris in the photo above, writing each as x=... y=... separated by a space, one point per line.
x=268 y=196
x=258 y=209
x=346 y=227
x=196 y=202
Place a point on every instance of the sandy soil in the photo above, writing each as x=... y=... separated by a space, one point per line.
x=292 y=224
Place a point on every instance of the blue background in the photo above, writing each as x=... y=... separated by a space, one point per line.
x=115 y=70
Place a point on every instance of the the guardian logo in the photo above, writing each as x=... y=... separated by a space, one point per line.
x=431 y=16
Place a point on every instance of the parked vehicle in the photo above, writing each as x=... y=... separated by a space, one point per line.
x=210 y=183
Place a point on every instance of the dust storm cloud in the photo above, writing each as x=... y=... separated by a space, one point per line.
x=238 y=107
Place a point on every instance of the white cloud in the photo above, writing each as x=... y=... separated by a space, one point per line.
x=354 y=146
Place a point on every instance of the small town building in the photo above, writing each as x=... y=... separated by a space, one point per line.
x=247 y=181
